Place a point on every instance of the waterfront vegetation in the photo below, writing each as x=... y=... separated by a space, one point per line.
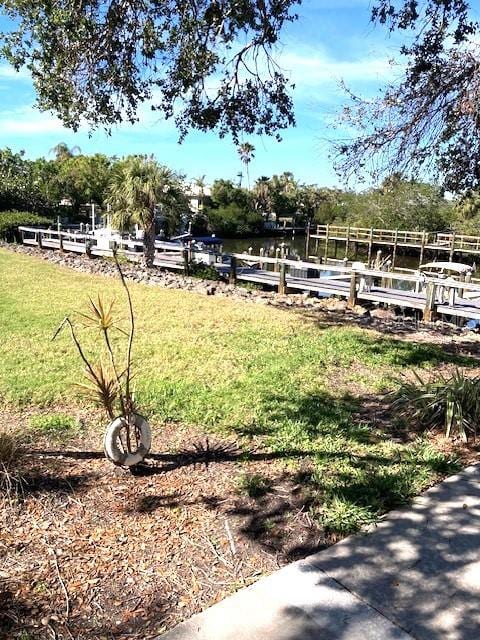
x=272 y=380
x=63 y=185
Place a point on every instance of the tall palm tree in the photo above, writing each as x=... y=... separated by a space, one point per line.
x=200 y=184
x=138 y=189
x=246 y=152
x=62 y=151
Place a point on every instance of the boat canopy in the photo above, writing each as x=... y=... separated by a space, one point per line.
x=206 y=240
x=442 y=267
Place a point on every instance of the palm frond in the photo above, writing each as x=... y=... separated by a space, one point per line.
x=101 y=388
x=452 y=403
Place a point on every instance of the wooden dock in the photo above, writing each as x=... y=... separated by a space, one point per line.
x=431 y=295
x=421 y=241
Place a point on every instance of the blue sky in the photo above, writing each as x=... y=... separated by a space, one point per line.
x=333 y=39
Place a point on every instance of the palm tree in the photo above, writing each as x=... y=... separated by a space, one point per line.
x=263 y=196
x=63 y=152
x=200 y=184
x=246 y=153
x=138 y=189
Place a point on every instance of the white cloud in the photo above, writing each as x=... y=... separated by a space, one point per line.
x=8 y=73
x=28 y=121
x=312 y=68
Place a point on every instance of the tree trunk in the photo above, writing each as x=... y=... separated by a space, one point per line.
x=149 y=244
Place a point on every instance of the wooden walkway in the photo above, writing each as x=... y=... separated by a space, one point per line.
x=433 y=296
x=449 y=243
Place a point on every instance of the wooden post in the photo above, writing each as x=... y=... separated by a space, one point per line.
x=186 y=262
x=430 y=311
x=262 y=251
x=325 y=255
x=464 y=277
x=277 y=256
x=282 y=283
x=347 y=242
x=232 y=277
x=370 y=245
x=39 y=239
x=452 y=247
x=59 y=231
x=352 y=296
x=422 y=248
x=417 y=282
x=307 y=241
x=250 y=249
x=395 y=244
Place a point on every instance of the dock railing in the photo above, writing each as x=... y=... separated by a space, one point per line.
x=366 y=235
x=429 y=293
x=442 y=241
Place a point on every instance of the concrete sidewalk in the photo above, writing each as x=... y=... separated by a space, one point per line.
x=415 y=575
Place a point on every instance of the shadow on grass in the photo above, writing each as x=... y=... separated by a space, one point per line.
x=342 y=472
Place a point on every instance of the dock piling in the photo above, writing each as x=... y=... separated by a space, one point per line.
x=282 y=283
x=370 y=246
x=452 y=246
x=395 y=245
x=232 y=276
x=186 y=262
x=352 y=296
x=430 y=310
x=325 y=255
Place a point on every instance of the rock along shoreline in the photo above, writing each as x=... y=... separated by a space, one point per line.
x=135 y=272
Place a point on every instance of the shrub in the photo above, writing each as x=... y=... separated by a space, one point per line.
x=344 y=517
x=203 y=271
x=452 y=403
x=254 y=485
x=10 y=220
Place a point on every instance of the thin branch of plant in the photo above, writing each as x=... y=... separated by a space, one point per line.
x=107 y=386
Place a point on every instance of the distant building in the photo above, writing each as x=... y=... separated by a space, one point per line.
x=196 y=195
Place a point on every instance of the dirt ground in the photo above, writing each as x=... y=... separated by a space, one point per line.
x=93 y=552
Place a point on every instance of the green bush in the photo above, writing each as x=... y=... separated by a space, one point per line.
x=203 y=271
x=10 y=220
x=452 y=403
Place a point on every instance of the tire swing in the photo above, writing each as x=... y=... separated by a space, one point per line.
x=128 y=440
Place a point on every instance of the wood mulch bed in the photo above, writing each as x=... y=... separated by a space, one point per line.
x=94 y=552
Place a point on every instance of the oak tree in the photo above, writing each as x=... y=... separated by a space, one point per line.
x=429 y=121
x=206 y=63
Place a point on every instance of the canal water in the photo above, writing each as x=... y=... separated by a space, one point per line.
x=296 y=245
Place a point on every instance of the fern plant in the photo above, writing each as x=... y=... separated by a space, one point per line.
x=451 y=402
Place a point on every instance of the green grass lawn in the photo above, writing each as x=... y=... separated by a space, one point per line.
x=273 y=378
